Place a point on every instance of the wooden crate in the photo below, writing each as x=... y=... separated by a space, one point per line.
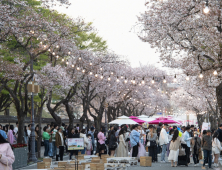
x=61 y=164
x=59 y=168
x=43 y=165
x=47 y=160
x=145 y=161
x=80 y=167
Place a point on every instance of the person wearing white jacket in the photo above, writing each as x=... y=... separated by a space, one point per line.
x=163 y=141
x=216 y=148
x=86 y=141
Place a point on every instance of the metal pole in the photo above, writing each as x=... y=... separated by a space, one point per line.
x=32 y=156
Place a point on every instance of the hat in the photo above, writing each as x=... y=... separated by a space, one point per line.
x=62 y=128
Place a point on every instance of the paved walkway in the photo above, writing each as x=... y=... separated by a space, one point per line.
x=155 y=166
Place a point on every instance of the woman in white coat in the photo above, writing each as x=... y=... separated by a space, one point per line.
x=83 y=135
x=216 y=148
x=121 y=150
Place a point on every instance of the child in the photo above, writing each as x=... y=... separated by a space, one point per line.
x=89 y=145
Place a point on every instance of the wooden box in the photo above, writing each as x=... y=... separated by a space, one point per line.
x=145 y=161
x=62 y=164
x=80 y=167
x=43 y=165
x=47 y=160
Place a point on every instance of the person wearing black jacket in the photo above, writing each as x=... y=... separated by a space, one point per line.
x=74 y=134
x=219 y=131
x=112 y=142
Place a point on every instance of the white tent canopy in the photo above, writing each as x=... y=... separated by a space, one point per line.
x=123 y=120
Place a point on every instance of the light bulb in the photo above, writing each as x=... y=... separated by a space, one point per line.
x=57 y=46
x=117 y=80
x=44 y=46
x=53 y=53
x=109 y=78
x=96 y=75
x=101 y=68
x=69 y=52
x=49 y=50
x=215 y=72
x=143 y=82
x=90 y=73
x=111 y=72
x=78 y=68
x=201 y=75
x=122 y=77
x=101 y=77
x=125 y=81
x=83 y=71
x=41 y=42
x=67 y=62
x=206 y=10
x=187 y=78
x=149 y=87
x=72 y=65
x=80 y=58
x=57 y=56
x=164 y=81
x=90 y=63
x=62 y=59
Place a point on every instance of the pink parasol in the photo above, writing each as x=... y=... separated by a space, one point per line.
x=164 y=120
x=137 y=120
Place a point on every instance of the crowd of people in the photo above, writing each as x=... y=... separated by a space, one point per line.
x=179 y=144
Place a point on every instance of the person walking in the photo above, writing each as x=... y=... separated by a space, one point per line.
x=170 y=136
x=112 y=142
x=122 y=150
x=134 y=141
x=187 y=138
x=26 y=137
x=101 y=141
x=91 y=132
x=74 y=134
x=59 y=142
x=83 y=135
x=174 y=148
x=219 y=131
x=163 y=140
x=89 y=147
x=158 y=130
x=152 y=144
x=54 y=148
x=207 y=148
x=7 y=157
x=11 y=135
x=36 y=137
x=216 y=149
x=46 y=136
x=195 y=146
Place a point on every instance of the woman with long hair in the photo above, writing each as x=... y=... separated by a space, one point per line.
x=112 y=142
x=122 y=150
x=170 y=136
x=216 y=148
x=11 y=137
x=25 y=135
x=36 y=137
x=151 y=138
x=101 y=141
x=174 y=148
x=83 y=135
x=6 y=154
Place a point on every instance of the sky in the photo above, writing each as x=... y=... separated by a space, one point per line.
x=115 y=21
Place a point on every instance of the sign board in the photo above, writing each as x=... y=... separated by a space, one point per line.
x=205 y=126
x=75 y=143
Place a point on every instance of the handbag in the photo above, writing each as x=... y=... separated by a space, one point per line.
x=181 y=151
x=114 y=146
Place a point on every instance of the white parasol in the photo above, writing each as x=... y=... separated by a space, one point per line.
x=123 y=120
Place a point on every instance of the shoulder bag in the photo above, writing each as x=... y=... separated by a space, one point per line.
x=181 y=151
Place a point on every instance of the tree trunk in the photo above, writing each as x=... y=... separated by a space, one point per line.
x=70 y=115
x=21 y=122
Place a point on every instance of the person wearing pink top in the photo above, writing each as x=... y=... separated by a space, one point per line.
x=7 y=157
x=101 y=141
x=11 y=137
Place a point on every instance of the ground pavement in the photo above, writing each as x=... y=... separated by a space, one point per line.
x=155 y=166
